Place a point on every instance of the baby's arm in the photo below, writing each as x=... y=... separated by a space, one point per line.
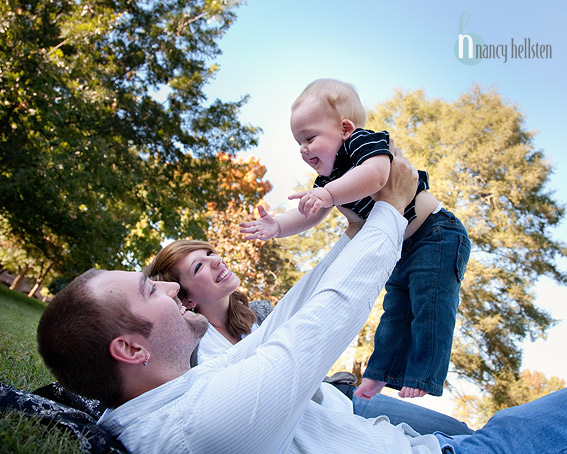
x=311 y=201
x=287 y=224
x=362 y=181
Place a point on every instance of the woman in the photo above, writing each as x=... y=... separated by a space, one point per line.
x=208 y=287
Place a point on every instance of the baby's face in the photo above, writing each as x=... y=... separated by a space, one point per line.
x=317 y=129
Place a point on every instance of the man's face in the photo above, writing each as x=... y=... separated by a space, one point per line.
x=175 y=332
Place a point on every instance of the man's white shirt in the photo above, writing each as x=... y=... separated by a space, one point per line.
x=256 y=397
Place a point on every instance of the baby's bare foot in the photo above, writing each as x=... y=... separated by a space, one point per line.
x=369 y=388
x=411 y=392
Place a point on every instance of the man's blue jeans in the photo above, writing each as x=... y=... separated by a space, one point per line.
x=536 y=427
x=420 y=419
x=412 y=344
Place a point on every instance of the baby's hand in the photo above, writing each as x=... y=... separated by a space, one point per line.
x=263 y=228
x=310 y=202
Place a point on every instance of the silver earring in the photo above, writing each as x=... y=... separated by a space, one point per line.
x=145 y=363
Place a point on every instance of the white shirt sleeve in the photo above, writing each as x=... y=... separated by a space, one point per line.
x=256 y=392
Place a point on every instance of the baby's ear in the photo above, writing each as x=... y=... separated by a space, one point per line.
x=347 y=128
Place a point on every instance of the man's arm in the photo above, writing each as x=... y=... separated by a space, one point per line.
x=266 y=381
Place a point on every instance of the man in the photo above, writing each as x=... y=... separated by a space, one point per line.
x=124 y=340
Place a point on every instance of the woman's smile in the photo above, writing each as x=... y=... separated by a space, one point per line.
x=224 y=274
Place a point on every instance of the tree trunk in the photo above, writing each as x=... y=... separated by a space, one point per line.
x=19 y=278
x=34 y=289
x=39 y=280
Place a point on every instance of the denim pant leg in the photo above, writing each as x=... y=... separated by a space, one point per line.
x=412 y=345
x=437 y=262
x=392 y=337
x=536 y=427
x=420 y=419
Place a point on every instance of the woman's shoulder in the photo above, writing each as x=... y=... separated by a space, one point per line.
x=261 y=309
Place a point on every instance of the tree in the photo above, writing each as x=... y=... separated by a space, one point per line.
x=15 y=259
x=483 y=166
x=266 y=269
x=88 y=156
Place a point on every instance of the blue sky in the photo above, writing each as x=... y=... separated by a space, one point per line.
x=276 y=48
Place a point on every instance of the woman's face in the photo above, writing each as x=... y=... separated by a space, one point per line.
x=205 y=278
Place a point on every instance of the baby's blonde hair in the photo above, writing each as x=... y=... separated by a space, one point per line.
x=342 y=97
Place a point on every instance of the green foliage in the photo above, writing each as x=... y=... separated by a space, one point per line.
x=483 y=167
x=91 y=163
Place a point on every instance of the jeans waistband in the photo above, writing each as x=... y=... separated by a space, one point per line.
x=432 y=219
x=443 y=439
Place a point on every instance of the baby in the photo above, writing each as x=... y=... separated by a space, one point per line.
x=412 y=344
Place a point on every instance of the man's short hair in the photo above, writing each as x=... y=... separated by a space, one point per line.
x=74 y=335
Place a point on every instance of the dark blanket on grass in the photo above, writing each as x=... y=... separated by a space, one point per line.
x=55 y=405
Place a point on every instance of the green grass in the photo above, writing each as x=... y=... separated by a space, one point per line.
x=21 y=367
x=20 y=363
x=23 y=435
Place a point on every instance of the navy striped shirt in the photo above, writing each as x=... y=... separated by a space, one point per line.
x=360 y=146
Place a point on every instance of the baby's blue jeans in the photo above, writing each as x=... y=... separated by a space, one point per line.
x=412 y=344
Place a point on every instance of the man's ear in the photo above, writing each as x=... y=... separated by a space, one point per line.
x=127 y=349
x=347 y=128
x=188 y=303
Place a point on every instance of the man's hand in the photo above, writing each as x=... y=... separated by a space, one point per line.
x=402 y=183
x=263 y=228
x=310 y=202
